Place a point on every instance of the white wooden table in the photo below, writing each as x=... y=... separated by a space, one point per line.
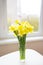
x=32 y=58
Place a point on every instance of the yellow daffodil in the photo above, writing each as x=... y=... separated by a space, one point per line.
x=12 y=28
x=17 y=21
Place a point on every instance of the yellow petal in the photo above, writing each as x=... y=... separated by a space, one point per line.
x=12 y=28
x=20 y=27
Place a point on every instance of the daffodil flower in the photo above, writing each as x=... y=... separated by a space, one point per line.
x=12 y=28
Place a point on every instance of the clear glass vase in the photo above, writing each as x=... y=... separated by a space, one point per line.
x=22 y=41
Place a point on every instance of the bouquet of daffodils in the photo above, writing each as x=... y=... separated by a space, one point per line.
x=21 y=29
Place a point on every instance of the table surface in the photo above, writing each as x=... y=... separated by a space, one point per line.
x=32 y=58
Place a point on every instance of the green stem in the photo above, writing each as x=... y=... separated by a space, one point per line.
x=22 y=41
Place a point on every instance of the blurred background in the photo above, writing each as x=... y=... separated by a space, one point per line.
x=25 y=10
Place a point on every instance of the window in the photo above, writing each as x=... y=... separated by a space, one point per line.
x=30 y=10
